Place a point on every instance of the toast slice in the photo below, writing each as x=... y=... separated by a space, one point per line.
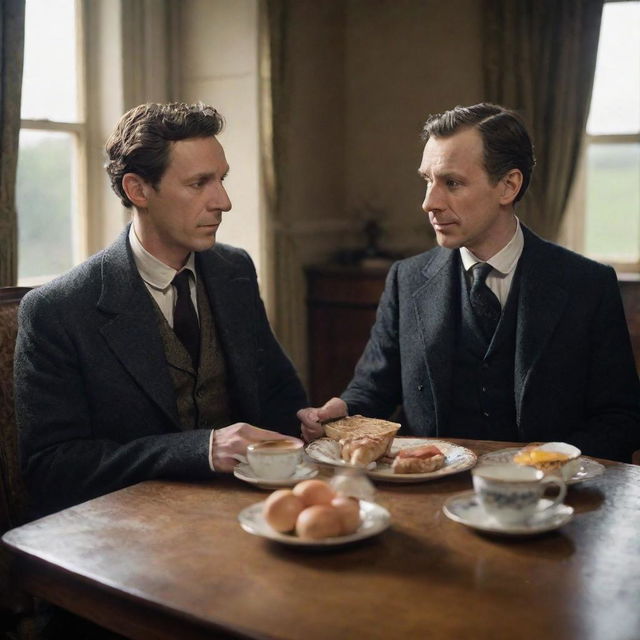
x=358 y=426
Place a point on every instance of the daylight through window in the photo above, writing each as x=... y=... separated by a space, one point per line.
x=612 y=226
x=52 y=138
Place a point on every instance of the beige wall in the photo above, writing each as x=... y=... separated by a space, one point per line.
x=362 y=75
x=405 y=59
x=218 y=53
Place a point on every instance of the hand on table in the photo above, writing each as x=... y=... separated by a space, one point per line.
x=311 y=417
x=234 y=439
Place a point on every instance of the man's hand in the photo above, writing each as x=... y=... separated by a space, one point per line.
x=311 y=417
x=234 y=439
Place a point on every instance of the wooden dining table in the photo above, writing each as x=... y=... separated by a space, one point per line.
x=168 y=560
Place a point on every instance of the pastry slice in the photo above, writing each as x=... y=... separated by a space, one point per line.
x=422 y=459
x=362 y=450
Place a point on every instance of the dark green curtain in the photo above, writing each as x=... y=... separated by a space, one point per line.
x=539 y=59
x=11 y=57
x=283 y=263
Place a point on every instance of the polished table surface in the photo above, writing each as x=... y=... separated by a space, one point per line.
x=169 y=560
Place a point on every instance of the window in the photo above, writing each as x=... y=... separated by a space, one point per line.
x=612 y=154
x=52 y=140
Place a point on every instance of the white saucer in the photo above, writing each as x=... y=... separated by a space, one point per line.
x=375 y=519
x=303 y=472
x=465 y=509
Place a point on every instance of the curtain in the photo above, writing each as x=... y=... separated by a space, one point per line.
x=285 y=288
x=11 y=57
x=539 y=59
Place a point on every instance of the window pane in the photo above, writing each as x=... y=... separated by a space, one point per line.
x=49 y=76
x=613 y=201
x=43 y=195
x=615 y=103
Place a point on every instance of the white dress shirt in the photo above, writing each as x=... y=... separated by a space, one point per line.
x=157 y=277
x=504 y=264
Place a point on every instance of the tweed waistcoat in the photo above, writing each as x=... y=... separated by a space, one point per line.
x=201 y=396
x=483 y=400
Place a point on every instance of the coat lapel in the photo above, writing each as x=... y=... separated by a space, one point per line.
x=435 y=304
x=130 y=333
x=233 y=304
x=540 y=306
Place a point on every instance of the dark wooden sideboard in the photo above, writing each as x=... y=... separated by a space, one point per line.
x=630 y=290
x=341 y=304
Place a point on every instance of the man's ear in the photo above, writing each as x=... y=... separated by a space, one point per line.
x=137 y=189
x=510 y=185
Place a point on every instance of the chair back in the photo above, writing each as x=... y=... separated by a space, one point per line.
x=12 y=490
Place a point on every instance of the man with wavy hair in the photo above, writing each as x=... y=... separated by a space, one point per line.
x=154 y=358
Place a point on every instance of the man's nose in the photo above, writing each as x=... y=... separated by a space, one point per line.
x=219 y=198
x=432 y=199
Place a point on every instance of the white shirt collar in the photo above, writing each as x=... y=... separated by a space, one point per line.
x=505 y=260
x=153 y=271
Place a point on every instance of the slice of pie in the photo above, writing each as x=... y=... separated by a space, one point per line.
x=363 y=450
x=362 y=440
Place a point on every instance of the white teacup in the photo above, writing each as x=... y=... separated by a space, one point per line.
x=511 y=494
x=274 y=459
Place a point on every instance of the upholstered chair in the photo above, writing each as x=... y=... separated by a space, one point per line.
x=16 y=608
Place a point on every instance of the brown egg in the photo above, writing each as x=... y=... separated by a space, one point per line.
x=349 y=511
x=313 y=492
x=281 y=510
x=319 y=521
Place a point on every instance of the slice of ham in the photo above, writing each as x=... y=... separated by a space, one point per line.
x=422 y=451
x=421 y=459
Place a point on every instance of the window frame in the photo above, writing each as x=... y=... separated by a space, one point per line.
x=610 y=138
x=78 y=130
x=573 y=231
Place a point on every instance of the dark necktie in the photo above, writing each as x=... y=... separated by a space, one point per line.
x=484 y=302
x=185 y=320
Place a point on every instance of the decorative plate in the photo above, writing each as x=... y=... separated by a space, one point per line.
x=375 y=519
x=466 y=509
x=457 y=459
x=303 y=472
x=588 y=468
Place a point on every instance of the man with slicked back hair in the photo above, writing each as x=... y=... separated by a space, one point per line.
x=495 y=334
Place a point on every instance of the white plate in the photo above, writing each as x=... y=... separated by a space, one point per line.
x=303 y=472
x=588 y=468
x=375 y=519
x=466 y=509
x=457 y=459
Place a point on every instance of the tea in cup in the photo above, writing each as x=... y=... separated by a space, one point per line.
x=274 y=459
x=512 y=494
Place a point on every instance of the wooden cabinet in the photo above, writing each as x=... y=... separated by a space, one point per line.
x=341 y=304
x=630 y=291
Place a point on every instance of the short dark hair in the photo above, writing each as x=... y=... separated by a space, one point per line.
x=141 y=140
x=505 y=138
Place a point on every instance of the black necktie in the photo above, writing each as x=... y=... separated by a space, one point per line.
x=185 y=320
x=484 y=302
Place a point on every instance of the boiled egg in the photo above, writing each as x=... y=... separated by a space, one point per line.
x=349 y=511
x=281 y=510
x=314 y=492
x=319 y=521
